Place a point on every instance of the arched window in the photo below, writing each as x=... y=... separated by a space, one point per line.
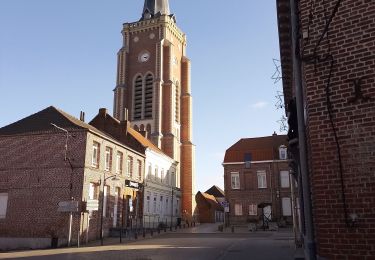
x=137 y=112
x=142 y=128
x=149 y=92
x=136 y=128
x=148 y=129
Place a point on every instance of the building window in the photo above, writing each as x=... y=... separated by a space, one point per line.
x=284 y=179
x=253 y=210
x=156 y=172
x=139 y=164
x=148 y=202
x=119 y=158
x=105 y=204
x=108 y=159
x=148 y=96
x=235 y=180
x=93 y=191
x=247 y=159
x=149 y=174
x=161 y=205
x=283 y=152
x=238 y=209
x=162 y=175
x=286 y=205
x=262 y=179
x=167 y=180
x=177 y=101
x=138 y=94
x=3 y=205
x=129 y=167
x=167 y=206
x=154 y=208
x=173 y=179
x=95 y=154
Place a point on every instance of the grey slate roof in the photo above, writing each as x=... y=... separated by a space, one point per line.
x=156 y=8
x=41 y=122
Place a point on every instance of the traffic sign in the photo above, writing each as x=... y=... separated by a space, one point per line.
x=68 y=206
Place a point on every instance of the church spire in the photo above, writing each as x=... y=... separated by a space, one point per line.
x=154 y=8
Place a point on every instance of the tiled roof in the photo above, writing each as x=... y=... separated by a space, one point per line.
x=42 y=121
x=259 y=149
x=210 y=200
x=144 y=141
x=216 y=192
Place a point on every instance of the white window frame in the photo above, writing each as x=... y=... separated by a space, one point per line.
x=235 y=180
x=283 y=152
x=95 y=154
x=3 y=205
x=129 y=164
x=119 y=158
x=162 y=175
x=284 y=179
x=253 y=210
x=238 y=209
x=149 y=174
x=107 y=161
x=262 y=179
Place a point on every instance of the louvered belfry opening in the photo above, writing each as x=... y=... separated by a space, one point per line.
x=149 y=89
x=138 y=98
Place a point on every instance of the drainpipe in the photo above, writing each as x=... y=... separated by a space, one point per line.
x=310 y=250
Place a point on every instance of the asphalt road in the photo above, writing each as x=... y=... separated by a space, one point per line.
x=194 y=246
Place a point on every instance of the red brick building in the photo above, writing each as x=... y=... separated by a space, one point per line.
x=256 y=173
x=208 y=204
x=153 y=84
x=327 y=51
x=51 y=157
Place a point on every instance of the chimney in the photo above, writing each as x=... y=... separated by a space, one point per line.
x=274 y=133
x=82 y=116
x=103 y=112
x=124 y=121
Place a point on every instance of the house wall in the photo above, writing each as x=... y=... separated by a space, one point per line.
x=35 y=176
x=160 y=189
x=112 y=218
x=350 y=44
x=249 y=193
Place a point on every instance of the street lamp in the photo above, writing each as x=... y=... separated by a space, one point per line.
x=113 y=178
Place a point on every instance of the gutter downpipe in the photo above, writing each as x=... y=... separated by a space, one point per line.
x=310 y=249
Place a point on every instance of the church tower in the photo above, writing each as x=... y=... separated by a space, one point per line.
x=153 y=84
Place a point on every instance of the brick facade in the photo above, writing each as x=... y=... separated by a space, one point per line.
x=263 y=159
x=339 y=98
x=36 y=177
x=170 y=126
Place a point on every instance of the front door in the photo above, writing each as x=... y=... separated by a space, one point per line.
x=267 y=211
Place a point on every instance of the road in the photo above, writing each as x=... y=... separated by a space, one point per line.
x=190 y=245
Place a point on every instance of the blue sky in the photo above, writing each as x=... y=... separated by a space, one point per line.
x=63 y=53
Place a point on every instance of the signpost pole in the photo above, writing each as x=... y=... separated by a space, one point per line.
x=70 y=227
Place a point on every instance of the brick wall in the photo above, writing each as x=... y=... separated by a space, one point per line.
x=249 y=193
x=36 y=177
x=351 y=42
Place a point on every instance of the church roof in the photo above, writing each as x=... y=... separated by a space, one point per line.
x=155 y=8
x=216 y=192
x=257 y=149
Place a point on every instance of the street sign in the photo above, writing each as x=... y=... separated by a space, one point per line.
x=92 y=205
x=68 y=206
x=132 y=184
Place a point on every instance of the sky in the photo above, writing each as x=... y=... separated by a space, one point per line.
x=63 y=53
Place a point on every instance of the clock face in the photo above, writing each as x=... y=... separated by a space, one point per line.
x=144 y=56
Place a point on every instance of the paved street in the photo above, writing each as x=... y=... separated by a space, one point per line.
x=202 y=242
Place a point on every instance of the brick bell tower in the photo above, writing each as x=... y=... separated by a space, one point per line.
x=153 y=84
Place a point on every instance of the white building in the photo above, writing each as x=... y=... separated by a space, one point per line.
x=162 y=194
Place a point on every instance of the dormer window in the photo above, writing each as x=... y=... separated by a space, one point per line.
x=283 y=152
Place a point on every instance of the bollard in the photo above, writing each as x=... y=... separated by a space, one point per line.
x=232 y=229
x=170 y=228
x=144 y=233
x=158 y=230
x=136 y=235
